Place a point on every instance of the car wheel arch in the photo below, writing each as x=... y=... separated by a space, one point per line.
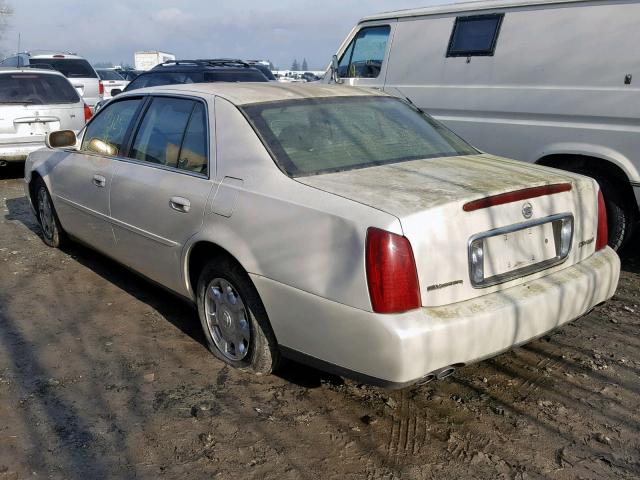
x=196 y=258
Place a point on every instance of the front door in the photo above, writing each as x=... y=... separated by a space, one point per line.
x=158 y=196
x=83 y=177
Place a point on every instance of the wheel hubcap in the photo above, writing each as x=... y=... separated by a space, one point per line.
x=227 y=319
x=46 y=213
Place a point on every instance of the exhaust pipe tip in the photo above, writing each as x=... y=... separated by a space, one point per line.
x=3 y=163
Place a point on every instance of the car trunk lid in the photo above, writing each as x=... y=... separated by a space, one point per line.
x=520 y=239
x=22 y=123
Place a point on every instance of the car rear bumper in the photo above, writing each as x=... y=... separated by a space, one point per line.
x=399 y=350
x=18 y=152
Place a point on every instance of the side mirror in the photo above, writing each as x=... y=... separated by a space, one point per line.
x=103 y=148
x=334 y=70
x=115 y=91
x=61 y=139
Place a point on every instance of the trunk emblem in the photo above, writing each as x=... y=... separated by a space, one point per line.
x=527 y=210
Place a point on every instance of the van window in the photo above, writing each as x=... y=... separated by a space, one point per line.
x=363 y=58
x=475 y=36
x=69 y=67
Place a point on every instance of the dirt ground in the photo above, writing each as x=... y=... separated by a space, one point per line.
x=103 y=375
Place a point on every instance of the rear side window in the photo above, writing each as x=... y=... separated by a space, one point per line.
x=172 y=133
x=363 y=58
x=249 y=75
x=69 y=67
x=36 y=89
x=158 y=79
x=475 y=36
x=107 y=131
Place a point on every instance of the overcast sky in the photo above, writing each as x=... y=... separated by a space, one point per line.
x=278 y=30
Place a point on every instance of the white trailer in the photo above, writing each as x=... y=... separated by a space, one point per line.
x=555 y=82
x=147 y=60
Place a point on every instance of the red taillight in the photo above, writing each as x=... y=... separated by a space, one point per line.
x=391 y=272
x=87 y=113
x=101 y=87
x=603 y=233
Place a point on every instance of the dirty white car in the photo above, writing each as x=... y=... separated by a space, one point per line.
x=336 y=226
x=33 y=103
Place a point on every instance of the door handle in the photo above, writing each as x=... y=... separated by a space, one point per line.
x=180 y=204
x=99 y=181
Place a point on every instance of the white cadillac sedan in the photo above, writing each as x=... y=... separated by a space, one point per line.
x=335 y=226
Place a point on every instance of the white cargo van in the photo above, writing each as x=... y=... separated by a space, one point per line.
x=554 y=82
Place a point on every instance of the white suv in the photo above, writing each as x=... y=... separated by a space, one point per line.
x=80 y=73
x=34 y=102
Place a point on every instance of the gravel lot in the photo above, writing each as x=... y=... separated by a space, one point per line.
x=103 y=375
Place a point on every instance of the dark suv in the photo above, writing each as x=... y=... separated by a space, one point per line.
x=197 y=71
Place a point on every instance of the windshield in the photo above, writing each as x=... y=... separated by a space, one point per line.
x=109 y=75
x=36 y=89
x=313 y=136
x=69 y=67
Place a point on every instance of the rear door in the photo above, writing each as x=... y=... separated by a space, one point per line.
x=33 y=104
x=158 y=196
x=82 y=178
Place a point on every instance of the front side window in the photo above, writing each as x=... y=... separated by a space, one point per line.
x=107 y=131
x=314 y=136
x=363 y=57
x=172 y=133
x=36 y=89
x=475 y=36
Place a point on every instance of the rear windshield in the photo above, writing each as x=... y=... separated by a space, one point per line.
x=69 y=67
x=109 y=75
x=248 y=75
x=36 y=89
x=314 y=136
x=157 y=79
x=266 y=71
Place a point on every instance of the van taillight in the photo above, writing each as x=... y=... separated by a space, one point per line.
x=603 y=233
x=87 y=113
x=391 y=272
x=100 y=87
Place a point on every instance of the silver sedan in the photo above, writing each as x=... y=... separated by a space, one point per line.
x=336 y=226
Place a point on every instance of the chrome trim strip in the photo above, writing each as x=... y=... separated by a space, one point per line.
x=520 y=272
x=151 y=236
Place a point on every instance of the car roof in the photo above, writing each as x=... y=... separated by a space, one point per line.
x=244 y=93
x=51 y=54
x=30 y=70
x=465 y=7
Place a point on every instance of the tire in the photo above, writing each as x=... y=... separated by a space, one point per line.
x=52 y=232
x=220 y=283
x=620 y=218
